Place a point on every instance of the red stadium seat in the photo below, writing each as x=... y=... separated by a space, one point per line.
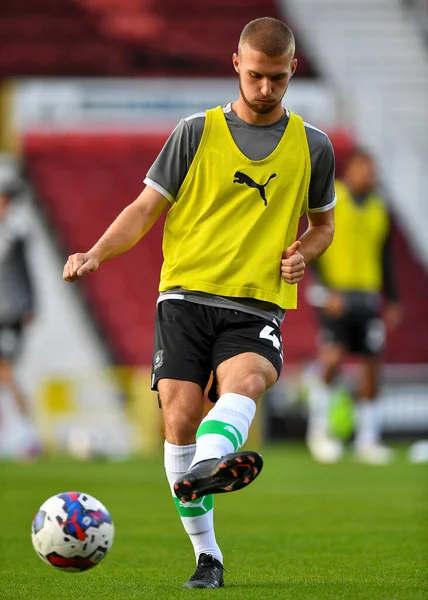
x=132 y=38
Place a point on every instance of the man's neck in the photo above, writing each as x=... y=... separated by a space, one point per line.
x=245 y=113
x=357 y=192
x=358 y=197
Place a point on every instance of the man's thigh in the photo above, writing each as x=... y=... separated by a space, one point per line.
x=335 y=330
x=368 y=334
x=248 y=374
x=248 y=333
x=243 y=334
x=183 y=343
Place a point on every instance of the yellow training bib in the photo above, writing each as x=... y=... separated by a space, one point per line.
x=354 y=259
x=233 y=216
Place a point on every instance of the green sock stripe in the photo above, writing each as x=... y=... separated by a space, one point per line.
x=195 y=508
x=220 y=428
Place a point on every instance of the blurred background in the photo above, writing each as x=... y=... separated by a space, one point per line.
x=89 y=92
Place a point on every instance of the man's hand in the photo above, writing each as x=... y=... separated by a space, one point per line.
x=335 y=305
x=393 y=315
x=79 y=265
x=292 y=264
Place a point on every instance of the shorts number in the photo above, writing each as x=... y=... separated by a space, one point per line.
x=267 y=333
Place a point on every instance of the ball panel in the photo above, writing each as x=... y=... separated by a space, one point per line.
x=72 y=564
x=38 y=521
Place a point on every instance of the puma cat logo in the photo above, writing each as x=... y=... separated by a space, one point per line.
x=194 y=504
x=243 y=178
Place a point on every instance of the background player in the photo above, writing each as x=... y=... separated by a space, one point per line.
x=236 y=180
x=17 y=303
x=353 y=271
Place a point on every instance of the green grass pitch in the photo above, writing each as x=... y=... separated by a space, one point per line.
x=301 y=531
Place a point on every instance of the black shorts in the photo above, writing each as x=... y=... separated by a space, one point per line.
x=10 y=340
x=192 y=340
x=360 y=330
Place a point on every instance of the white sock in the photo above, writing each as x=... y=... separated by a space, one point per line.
x=196 y=516
x=319 y=395
x=225 y=428
x=368 y=423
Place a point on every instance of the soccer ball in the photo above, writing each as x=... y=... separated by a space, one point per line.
x=72 y=531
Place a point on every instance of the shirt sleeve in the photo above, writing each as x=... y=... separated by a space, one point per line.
x=22 y=271
x=170 y=168
x=389 y=280
x=322 y=196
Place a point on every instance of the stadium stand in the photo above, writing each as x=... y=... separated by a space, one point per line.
x=83 y=181
x=133 y=38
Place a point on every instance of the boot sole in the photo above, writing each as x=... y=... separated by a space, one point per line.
x=231 y=473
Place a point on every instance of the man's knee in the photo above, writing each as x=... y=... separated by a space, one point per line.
x=331 y=357
x=182 y=407
x=250 y=376
x=255 y=384
x=181 y=428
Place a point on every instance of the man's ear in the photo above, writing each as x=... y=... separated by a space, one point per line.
x=293 y=66
x=236 y=61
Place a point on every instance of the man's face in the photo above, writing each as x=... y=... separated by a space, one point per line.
x=263 y=80
x=361 y=174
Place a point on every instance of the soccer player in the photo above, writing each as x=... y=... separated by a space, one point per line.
x=236 y=180
x=352 y=273
x=17 y=303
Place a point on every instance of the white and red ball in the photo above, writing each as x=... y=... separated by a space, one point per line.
x=72 y=531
